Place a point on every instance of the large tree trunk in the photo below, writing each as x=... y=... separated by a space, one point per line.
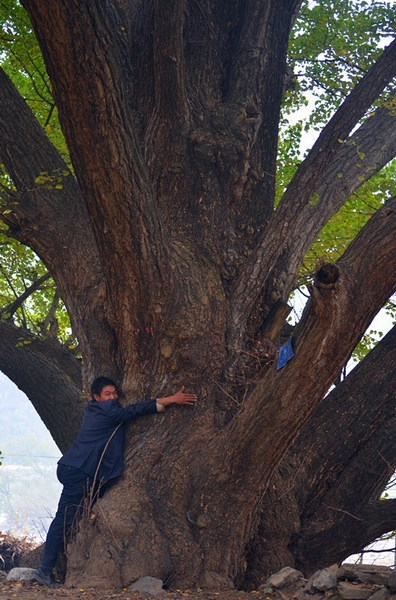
x=211 y=513
x=176 y=269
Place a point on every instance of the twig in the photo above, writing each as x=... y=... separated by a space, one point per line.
x=343 y=511
x=225 y=392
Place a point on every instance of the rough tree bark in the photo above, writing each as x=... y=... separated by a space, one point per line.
x=174 y=265
x=330 y=479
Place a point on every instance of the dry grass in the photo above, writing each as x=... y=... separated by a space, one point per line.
x=12 y=549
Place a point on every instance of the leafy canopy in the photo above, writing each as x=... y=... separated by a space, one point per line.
x=332 y=44
x=21 y=58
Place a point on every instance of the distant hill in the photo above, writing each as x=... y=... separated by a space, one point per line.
x=29 y=489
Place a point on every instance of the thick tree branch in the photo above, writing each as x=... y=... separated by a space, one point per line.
x=54 y=222
x=333 y=480
x=322 y=344
x=362 y=405
x=253 y=90
x=260 y=50
x=36 y=168
x=353 y=532
x=349 y=476
x=50 y=377
x=282 y=226
x=342 y=458
x=10 y=309
x=90 y=67
x=171 y=104
x=327 y=146
x=377 y=519
x=169 y=120
x=369 y=149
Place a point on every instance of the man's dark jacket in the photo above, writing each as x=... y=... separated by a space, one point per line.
x=98 y=449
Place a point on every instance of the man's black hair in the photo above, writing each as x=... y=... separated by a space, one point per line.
x=99 y=383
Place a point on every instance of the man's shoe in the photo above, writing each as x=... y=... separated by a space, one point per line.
x=46 y=579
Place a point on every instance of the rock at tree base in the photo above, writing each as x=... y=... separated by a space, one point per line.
x=355 y=591
x=347 y=582
x=284 y=578
x=20 y=574
x=323 y=580
x=149 y=585
x=378 y=574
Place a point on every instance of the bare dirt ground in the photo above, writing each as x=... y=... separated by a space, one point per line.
x=34 y=591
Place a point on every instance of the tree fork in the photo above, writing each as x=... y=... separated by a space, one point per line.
x=286 y=395
x=300 y=190
x=361 y=410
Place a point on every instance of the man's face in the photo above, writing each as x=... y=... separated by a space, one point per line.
x=109 y=392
